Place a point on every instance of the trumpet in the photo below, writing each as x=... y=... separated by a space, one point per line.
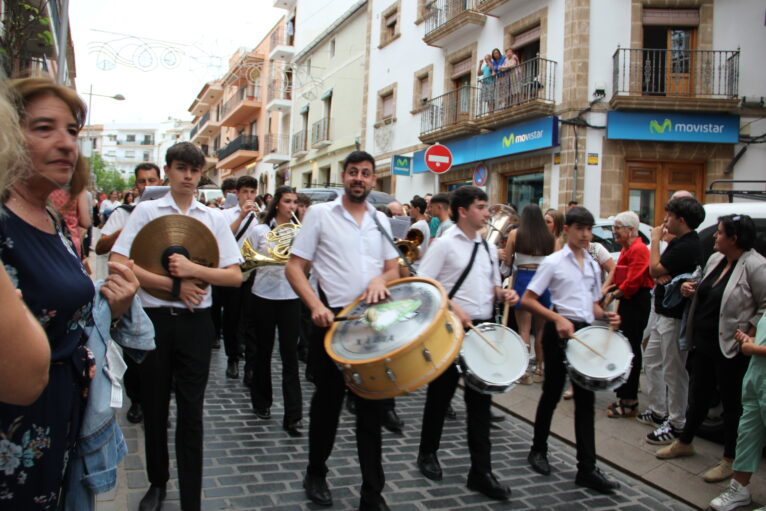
x=409 y=246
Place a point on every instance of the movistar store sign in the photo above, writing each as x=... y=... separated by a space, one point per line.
x=517 y=138
x=673 y=127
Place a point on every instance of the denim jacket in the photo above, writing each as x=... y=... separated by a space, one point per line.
x=100 y=445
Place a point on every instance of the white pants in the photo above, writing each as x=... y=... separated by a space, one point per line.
x=665 y=368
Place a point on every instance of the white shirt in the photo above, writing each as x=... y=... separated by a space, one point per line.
x=117 y=221
x=145 y=212
x=106 y=204
x=446 y=261
x=270 y=281
x=573 y=289
x=422 y=226
x=345 y=255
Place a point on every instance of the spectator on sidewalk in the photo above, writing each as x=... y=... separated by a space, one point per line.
x=731 y=294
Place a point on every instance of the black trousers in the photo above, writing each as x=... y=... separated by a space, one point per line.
x=270 y=315
x=324 y=415
x=132 y=380
x=231 y=301
x=438 y=397
x=181 y=358
x=634 y=313
x=711 y=368
x=553 y=386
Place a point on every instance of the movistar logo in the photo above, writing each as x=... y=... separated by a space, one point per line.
x=654 y=126
x=524 y=137
x=685 y=127
x=402 y=162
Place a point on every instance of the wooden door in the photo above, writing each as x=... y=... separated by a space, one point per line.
x=679 y=66
x=650 y=183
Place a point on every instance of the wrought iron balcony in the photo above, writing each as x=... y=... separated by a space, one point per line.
x=452 y=108
x=241 y=143
x=449 y=19
x=675 y=74
x=276 y=148
x=532 y=81
x=299 y=142
x=320 y=132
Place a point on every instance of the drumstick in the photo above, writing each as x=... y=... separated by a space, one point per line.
x=485 y=338
x=611 y=328
x=587 y=346
x=370 y=315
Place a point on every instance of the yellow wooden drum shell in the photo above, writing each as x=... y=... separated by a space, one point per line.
x=409 y=367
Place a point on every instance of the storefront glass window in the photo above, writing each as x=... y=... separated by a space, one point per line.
x=524 y=189
x=642 y=202
x=454 y=186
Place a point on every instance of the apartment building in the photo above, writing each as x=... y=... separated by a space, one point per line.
x=615 y=104
x=241 y=122
x=329 y=80
x=125 y=145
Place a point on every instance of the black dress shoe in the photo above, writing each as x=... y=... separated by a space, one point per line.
x=451 y=413
x=487 y=484
x=135 y=413
x=152 y=501
x=263 y=413
x=496 y=417
x=429 y=466
x=596 y=480
x=392 y=422
x=293 y=429
x=539 y=462
x=317 y=490
x=232 y=369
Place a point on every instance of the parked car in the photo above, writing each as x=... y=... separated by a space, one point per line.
x=604 y=234
x=375 y=198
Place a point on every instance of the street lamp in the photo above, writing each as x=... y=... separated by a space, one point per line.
x=90 y=93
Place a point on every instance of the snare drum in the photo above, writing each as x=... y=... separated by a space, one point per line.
x=411 y=341
x=484 y=369
x=592 y=372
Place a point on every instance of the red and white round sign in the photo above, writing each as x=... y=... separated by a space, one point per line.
x=438 y=158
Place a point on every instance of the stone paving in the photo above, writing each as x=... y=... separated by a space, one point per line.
x=253 y=464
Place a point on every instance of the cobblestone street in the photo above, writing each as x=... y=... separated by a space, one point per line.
x=253 y=464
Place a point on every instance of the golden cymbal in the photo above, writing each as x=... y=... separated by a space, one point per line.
x=159 y=235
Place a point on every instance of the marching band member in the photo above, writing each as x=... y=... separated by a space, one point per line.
x=350 y=258
x=242 y=219
x=183 y=328
x=573 y=279
x=464 y=264
x=274 y=304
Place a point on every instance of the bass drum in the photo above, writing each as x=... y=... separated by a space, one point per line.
x=484 y=369
x=411 y=339
x=592 y=372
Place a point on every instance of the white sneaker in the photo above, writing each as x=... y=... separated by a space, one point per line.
x=732 y=497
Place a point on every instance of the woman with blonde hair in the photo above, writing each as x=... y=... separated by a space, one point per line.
x=39 y=439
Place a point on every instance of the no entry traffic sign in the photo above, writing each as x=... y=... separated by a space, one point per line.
x=438 y=158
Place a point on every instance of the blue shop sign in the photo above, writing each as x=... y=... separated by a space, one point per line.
x=519 y=138
x=673 y=127
x=401 y=165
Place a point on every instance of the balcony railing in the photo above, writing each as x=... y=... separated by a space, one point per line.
x=280 y=38
x=194 y=131
x=250 y=92
x=241 y=143
x=676 y=73
x=440 y=12
x=320 y=131
x=278 y=89
x=299 y=142
x=448 y=109
x=535 y=79
x=276 y=144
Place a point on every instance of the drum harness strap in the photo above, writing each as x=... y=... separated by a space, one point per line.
x=467 y=270
x=244 y=227
x=393 y=244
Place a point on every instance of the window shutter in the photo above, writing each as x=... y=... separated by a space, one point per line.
x=524 y=38
x=462 y=67
x=671 y=17
x=387 y=108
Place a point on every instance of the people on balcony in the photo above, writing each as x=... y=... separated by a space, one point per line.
x=510 y=84
x=486 y=74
